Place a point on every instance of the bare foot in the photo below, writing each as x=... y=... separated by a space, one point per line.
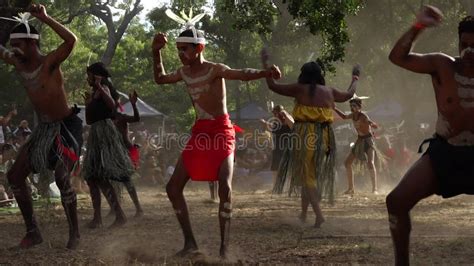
x=349 y=192
x=211 y=201
x=375 y=192
x=319 y=222
x=73 y=242
x=223 y=252
x=118 y=222
x=110 y=214
x=95 y=223
x=186 y=251
x=302 y=217
x=31 y=239
x=138 y=214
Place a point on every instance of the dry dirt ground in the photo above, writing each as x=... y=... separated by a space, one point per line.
x=264 y=230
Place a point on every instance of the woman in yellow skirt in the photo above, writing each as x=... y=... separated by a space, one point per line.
x=310 y=158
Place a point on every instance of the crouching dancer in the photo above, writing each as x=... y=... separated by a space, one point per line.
x=56 y=141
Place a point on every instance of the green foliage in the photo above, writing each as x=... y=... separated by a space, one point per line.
x=255 y=16
x=325 y=18
x=295 y=31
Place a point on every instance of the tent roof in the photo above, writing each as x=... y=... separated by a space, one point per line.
x=251 y=111
x=144 y=109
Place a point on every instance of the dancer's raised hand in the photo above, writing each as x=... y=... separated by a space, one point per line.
x=429 y=16
x=159 y=41
x=38 y=11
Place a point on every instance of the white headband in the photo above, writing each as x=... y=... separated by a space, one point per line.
x=188 y=21
x=191 y=40
x=23 y=18
x=24 y=36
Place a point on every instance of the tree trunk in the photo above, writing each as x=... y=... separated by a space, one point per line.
x=115 y=34
x=109 y=53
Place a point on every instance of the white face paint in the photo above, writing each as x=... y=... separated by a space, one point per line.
x=467 y=50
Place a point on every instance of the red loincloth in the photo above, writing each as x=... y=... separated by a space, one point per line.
x=238 y=129
x=134 y=154
x=211 y=142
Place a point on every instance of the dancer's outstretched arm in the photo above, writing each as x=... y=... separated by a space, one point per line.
x=247 y=74
x=342 y=114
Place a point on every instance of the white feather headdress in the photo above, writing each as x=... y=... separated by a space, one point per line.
x=359 y=97
x=188 y=22
x=23 y=18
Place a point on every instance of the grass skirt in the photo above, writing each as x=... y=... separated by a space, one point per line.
x=106 y=155
x=40 y=144
x=309 y=160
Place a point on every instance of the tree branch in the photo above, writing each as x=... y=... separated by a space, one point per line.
x=129 y=15
x=104 y=13
x=73 y=15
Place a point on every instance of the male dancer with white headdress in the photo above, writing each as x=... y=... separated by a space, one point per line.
x=364 y=147
x=56 y=141
x=209 y=154
x=447 y=167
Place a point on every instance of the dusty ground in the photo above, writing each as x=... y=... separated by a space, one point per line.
x=264 y=230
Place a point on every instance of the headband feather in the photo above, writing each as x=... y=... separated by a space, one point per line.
x=188 y=22
x=22 y=18
x=359 y=97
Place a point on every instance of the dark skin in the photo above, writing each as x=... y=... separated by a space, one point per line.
x=363 y=126
x=324 y=96
x=121 y=122
x=213 y=102
x=50 y=84
x=283 y=116
x=48 y=97
x=420 y=180
x=100 y=91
